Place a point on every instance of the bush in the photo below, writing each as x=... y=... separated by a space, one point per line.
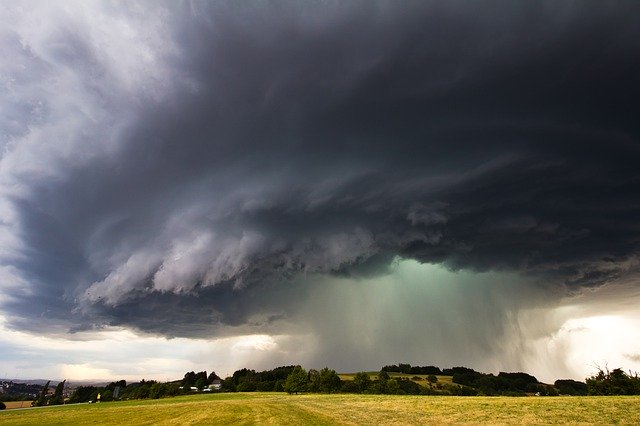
x=570 y=387
x=2 y=405
x=409 y=387
x=615 y=382
x=349 y=386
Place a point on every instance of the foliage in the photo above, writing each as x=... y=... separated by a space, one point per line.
x=2 y=405
x=201 y=383
x=213 y=376
x=193 y=379
x=122 y=384
x=57 y=398
x=615 y=382
x=324 y=381
x=42 y=398
x=296 y=381
x=409 y=387
x=246 y=380
x=84 y=394
x=362 y=382
x=408 y=369
x=15 y=391
x=511 y=384
x=570 y=387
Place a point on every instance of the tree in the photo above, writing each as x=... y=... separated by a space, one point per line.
x=201 y=383
x=213 y=376
x=42 y=398
x=122 y=384
x=329 y=381
x=107 y=395
x=381 y=385
x=83 y=394
x=314 y=381
x=296 y=381
x=58 y=398
x=570 y=387
x=362 y=382
x=201 y=375
x=228 y=385
x=615 y=382
x=404 y=368
x=408 y=386
x=158 y=390
x=325 y=381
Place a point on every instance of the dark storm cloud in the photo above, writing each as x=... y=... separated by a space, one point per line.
x=266 y=142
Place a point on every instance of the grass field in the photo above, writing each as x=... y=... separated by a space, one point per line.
x=277 y=408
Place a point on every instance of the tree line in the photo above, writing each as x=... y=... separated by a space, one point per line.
x=294 y=379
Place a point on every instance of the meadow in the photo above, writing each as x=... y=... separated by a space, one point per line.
x=347 y=409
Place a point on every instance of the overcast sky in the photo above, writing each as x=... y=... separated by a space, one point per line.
x=218 y=185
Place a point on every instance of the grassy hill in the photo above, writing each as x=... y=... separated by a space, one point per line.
x=278 y=408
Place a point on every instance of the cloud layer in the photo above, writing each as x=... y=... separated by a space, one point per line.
x=195 y=169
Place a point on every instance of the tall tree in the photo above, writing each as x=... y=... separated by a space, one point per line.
x=213 y=376
x=296 y=381
x=42 y=398
x=328 y=381
x=362 y=381
x=58 y=398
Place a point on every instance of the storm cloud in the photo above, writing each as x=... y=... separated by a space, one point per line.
x=198 y=169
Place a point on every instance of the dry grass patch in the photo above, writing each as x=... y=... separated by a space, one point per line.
x=17 y=404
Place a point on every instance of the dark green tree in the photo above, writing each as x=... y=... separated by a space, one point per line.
x=42 y=398
x=570 y=387
x=106 y=396
x=201 y=383
x=615 y=382
x=189 y=380
x=296 y=381
x=58 y=398
x=213 y=376
x=83 y=394
x=328 y=381
x=404 y=368
x=381 y=385
x=362 y=382
x=314 y=381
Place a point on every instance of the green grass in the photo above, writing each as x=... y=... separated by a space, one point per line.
x=277 y=408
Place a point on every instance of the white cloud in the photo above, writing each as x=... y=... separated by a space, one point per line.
x=119 y=353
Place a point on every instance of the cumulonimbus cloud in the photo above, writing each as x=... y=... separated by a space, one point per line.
x=180 y=156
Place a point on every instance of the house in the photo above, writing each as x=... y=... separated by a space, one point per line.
x=216 y=384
